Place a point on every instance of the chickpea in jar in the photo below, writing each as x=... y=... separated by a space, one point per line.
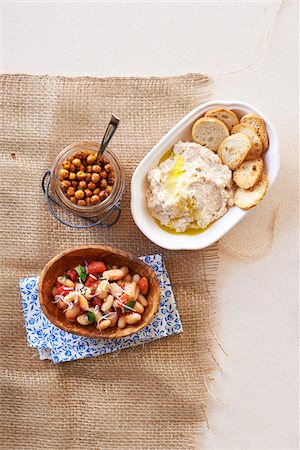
x=84 y=181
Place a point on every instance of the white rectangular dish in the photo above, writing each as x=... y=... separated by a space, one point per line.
x=183 y=131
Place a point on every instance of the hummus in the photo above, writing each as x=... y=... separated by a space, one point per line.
x=190 y=189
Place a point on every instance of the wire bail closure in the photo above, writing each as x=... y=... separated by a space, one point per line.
x=50 y=201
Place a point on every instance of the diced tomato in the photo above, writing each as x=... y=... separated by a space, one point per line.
x=90 y=281
x=61 y=290
x=96 y=267
x=72 y=274
x=143 y=285
x=96 y=301
x=124 y=297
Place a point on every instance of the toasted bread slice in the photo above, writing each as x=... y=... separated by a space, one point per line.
x=225 y=115
x=260 y=128
x=234 y=149
x=248 y=173
x=247 y=198
x=257 y=147
x=209 y=132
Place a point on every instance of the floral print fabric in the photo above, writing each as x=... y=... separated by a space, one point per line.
x=59 y=346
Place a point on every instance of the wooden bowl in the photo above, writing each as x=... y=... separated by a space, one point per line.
x=70 y=258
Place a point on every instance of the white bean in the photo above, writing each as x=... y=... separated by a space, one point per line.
x=65 y=282
x=138 y=307
x=116 y=303
x=83 y=319
x=130 y=289
x=104 y=324
x=127 y=278
x=83 y=303
x=142 y=300
x=121 y=322
x=72 y=313
x=115 y=289
x=113 y=274
x=114 y=321
x=133 y=318
x=62 y=305
x=125 y=270
x=137 y=293
x=136 y=277
x=108 y=303
x=102 y=289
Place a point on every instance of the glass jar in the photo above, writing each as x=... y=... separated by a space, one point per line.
x=95 y=212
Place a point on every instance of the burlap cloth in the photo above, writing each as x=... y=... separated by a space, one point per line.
x=152 y=397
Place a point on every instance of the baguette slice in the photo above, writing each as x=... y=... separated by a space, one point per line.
x=234 y=149
x=248 y=173
x=225 y=115
x=247 y=198
x=257 y=147
x=260 y=128
x=209 y=132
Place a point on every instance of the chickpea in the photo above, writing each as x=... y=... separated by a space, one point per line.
x=63 y=173
x=88 y=201
x=109 y=189
x=91 y=158
x=89 y=168
x=88 y=177
x=88 y=193
x=103 y=195
x=74 y=184
x=95 y=199
x=81 y=168
x=108 y=167
x=73 y=199
x=79 y=194
x=111 y=181
x=72 y=167
x=76 y=162
x=103 y=184
x=95 y=177
x=78 y=154
x=103 y=174
x=65 y=184
x=81 y=203
x=70 y=158
x=72 y=176
x=70 y=191
x=91 y=186
x=80 y=175
x=82 y=185
x=85 y=154
x=66 y=165
x=96 y=168
x=96 y=191
x=105 y=160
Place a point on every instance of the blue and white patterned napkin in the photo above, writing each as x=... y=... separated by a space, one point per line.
x=59 y=346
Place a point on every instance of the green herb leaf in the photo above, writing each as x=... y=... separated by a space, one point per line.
x=129 y=305
x=91 y=316
x=63 y=278
x=100 y=278
x=81 y=272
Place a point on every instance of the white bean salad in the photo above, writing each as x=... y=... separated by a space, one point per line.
x=105 y=296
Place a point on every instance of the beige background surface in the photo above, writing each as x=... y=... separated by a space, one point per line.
x=249 y=49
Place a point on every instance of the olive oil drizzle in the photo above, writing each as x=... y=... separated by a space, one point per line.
x=177 y=170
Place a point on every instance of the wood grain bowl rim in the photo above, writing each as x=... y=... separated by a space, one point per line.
x=129 y=330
